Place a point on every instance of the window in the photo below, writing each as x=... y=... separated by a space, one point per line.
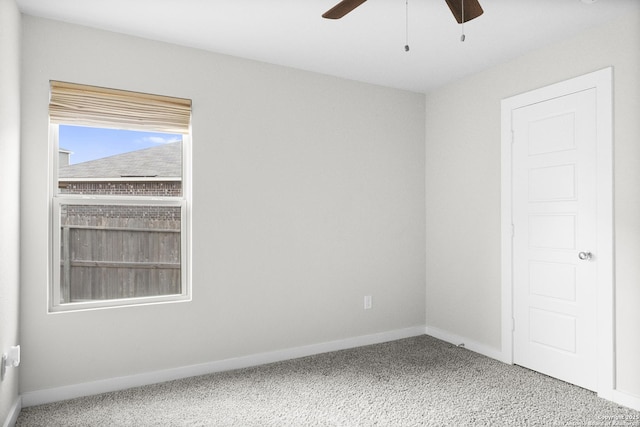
x=120 y=197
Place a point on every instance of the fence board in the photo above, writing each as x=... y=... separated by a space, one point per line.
x=113 y=258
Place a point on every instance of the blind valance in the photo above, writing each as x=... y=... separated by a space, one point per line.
x=84 y=105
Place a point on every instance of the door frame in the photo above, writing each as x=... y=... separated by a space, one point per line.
x=602 y=81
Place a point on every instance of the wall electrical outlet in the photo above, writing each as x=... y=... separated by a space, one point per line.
x=9 y=360
x=367 y=302
x=3 y=367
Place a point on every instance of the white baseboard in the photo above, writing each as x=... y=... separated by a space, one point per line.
x=626 y=399
x=468 y=344
x=39 y=397
x=120 y=383
x=12 y=417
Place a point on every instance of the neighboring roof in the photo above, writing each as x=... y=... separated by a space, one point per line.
x=163 y=161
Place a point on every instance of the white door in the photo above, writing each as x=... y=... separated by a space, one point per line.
x=554 y=213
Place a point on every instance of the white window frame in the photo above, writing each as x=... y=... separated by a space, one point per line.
x=58 y=199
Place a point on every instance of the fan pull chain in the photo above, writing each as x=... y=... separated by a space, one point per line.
x=462 y=37
x=406 y=46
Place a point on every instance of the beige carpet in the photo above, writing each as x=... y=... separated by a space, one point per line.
x=417 y=381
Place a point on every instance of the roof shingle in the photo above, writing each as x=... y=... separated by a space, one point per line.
x=163 y=161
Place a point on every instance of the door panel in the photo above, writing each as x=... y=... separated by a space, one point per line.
x=552 y=231
x=552 y=280
x=554 y=217
x=552 y=183
x=552 y=134
x=554 y=330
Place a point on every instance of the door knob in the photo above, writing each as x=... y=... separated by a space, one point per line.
x=585 y=256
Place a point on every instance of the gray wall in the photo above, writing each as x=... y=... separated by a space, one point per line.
x=308 y=193
x=9 y=195
x=463 y=186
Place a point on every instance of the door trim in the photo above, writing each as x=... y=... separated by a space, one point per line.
x=601 y=81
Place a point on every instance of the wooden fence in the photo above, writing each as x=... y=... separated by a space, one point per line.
x=119 y=258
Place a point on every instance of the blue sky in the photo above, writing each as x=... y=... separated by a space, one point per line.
x=88 y=143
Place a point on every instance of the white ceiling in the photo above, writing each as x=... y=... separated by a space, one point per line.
x=366 y=45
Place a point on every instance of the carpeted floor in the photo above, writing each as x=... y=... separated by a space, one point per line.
x=417 y=381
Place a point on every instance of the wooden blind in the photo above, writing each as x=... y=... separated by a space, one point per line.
x=83 y=105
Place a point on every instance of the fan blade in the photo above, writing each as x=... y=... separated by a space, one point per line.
x=472 y=9
x=342 y=8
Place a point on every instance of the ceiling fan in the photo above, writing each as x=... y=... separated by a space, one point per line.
x=463 y=10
